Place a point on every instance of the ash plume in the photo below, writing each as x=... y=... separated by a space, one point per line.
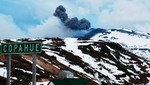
x=73 y=23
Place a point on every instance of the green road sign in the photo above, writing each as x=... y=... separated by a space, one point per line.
x=21 y=48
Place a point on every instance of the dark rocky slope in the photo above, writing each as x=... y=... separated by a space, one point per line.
x=92 y=60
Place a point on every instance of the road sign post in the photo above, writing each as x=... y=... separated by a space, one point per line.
x=34 y=70
x=21 y=48
x=8 y=69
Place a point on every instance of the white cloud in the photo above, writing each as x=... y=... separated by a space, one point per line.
x=42 y=10
x=73 y=8
x=50 y=28
x=47 y=7
x=93 y=5
x=107 y=13
x=124 y=13
x=83 y=11
x=116 y=13
x=143 y=27
x=37 y=9
x=8 y=29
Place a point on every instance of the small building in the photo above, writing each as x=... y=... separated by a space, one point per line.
x=66 y=77
x=65 y=74
x=69 y=81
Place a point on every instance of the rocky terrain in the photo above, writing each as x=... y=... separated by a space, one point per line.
x=94 y=60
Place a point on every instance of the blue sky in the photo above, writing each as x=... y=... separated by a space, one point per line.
x=34 y=18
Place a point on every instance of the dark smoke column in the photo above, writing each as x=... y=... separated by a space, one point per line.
x=60 y=12
x=72 y=23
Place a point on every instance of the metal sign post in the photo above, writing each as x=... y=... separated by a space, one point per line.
x=21 y=48
x=8 y=69
x=34 y=70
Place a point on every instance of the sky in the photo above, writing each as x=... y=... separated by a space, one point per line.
x=34 y=18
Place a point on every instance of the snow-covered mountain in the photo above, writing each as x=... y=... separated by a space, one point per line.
x=136 y=42
x=100 y=59
x=96 y=59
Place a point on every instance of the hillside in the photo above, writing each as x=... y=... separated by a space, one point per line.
x=135 y=42
x=91 y=59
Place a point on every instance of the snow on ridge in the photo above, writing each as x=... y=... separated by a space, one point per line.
x=134 y=43
x=124 y=38
x=3 y=72
x=1 y=63
x=65 y=62
x=114 y=70
x=72 y=46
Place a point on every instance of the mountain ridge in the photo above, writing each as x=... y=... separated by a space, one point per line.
x=91 y=59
